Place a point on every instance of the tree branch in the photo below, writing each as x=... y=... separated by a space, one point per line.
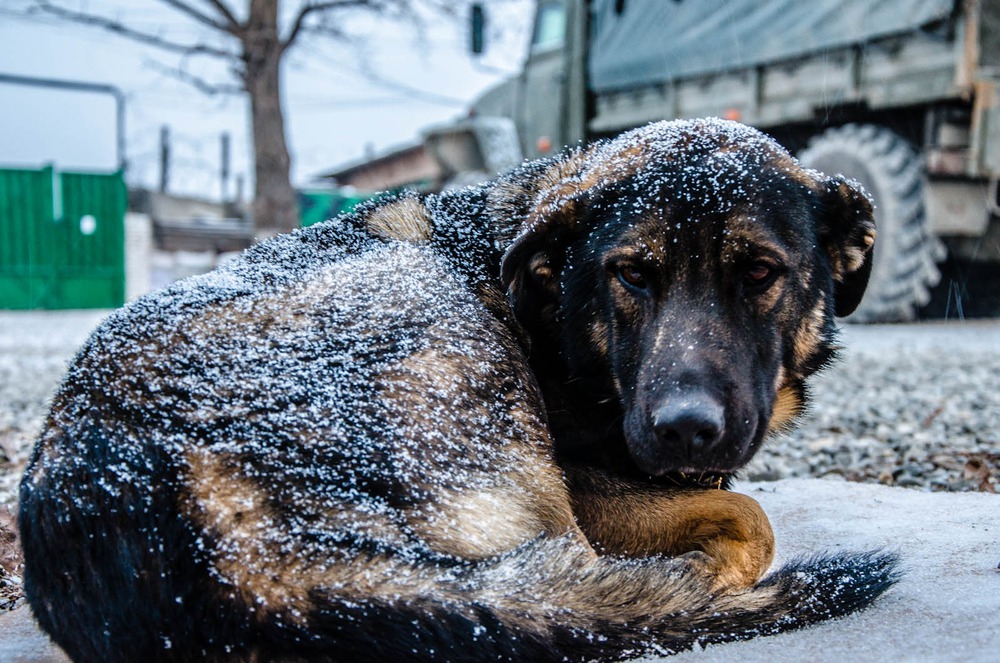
x=226 y=12
x=311 y=8
x=204 y=19
x=123 y=30
x=197 y=82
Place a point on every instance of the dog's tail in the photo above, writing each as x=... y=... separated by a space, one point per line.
x=553 y=600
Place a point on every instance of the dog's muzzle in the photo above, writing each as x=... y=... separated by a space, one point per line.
x=687 y=432
x=690 y=427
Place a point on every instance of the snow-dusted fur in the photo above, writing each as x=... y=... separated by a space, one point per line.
x=337 y=447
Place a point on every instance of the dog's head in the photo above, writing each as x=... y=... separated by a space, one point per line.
x=689 y=271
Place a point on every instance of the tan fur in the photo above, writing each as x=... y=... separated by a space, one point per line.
x=854 y=256
x=563 y=183
x=511 y=200
x=234 y=509
x=730 y=530
x=622 y=164
x=405 y=219
x=316 y=453
x=809 y=335
x=479 y=524
x=267 y=576
x=790 y=167
x=599 y=337
x=787 y=406
x=478 y=521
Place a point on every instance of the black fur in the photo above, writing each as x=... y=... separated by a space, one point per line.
x=343 y=446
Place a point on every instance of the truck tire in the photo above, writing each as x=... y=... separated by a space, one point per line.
x=904 y=266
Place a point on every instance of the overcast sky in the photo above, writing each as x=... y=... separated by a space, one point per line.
x=333 y=113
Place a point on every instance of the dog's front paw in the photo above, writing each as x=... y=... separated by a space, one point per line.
x=735 y=545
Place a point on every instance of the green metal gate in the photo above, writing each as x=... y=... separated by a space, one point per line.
x=62 y=239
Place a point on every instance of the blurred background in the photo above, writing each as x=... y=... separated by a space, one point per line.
x=140 y=140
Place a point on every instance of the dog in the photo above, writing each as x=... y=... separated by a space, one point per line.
x=485 y=424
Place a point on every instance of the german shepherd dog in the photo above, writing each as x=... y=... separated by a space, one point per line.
x=481 y=425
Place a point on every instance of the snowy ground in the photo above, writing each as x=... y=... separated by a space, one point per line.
x=946 y=607
x=35 y=347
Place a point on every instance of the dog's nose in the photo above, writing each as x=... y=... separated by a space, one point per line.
x=691 y=424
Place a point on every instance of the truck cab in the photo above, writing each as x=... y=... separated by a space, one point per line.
x=901 y=96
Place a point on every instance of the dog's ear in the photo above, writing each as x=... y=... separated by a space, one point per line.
x=847 y=233
x=551 y=202
x=532 y=264
x=542 y=203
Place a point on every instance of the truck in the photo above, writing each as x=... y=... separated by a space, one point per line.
x=901 y=95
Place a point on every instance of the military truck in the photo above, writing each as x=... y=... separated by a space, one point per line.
x=900 y=95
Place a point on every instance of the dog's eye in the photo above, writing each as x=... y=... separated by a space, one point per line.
x=631 y=277
x=760 y=275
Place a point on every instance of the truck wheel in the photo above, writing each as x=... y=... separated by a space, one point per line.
x=903 y=267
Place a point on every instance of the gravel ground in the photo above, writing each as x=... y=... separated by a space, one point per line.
x=908 y=405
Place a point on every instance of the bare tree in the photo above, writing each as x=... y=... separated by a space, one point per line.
x=252 y=37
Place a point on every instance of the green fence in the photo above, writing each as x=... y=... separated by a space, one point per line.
x=62 y=239
x=322 y=204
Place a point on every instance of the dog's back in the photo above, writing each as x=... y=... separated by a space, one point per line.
x=334 y=450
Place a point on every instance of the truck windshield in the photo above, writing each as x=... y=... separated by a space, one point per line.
x=550 y=25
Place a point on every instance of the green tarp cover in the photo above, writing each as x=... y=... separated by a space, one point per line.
x=653 y=41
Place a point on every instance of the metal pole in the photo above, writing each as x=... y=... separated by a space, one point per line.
x=224 y=165
x=82 y=86
x=164 y=158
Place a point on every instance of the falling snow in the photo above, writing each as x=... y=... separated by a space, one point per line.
x=308 y=408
